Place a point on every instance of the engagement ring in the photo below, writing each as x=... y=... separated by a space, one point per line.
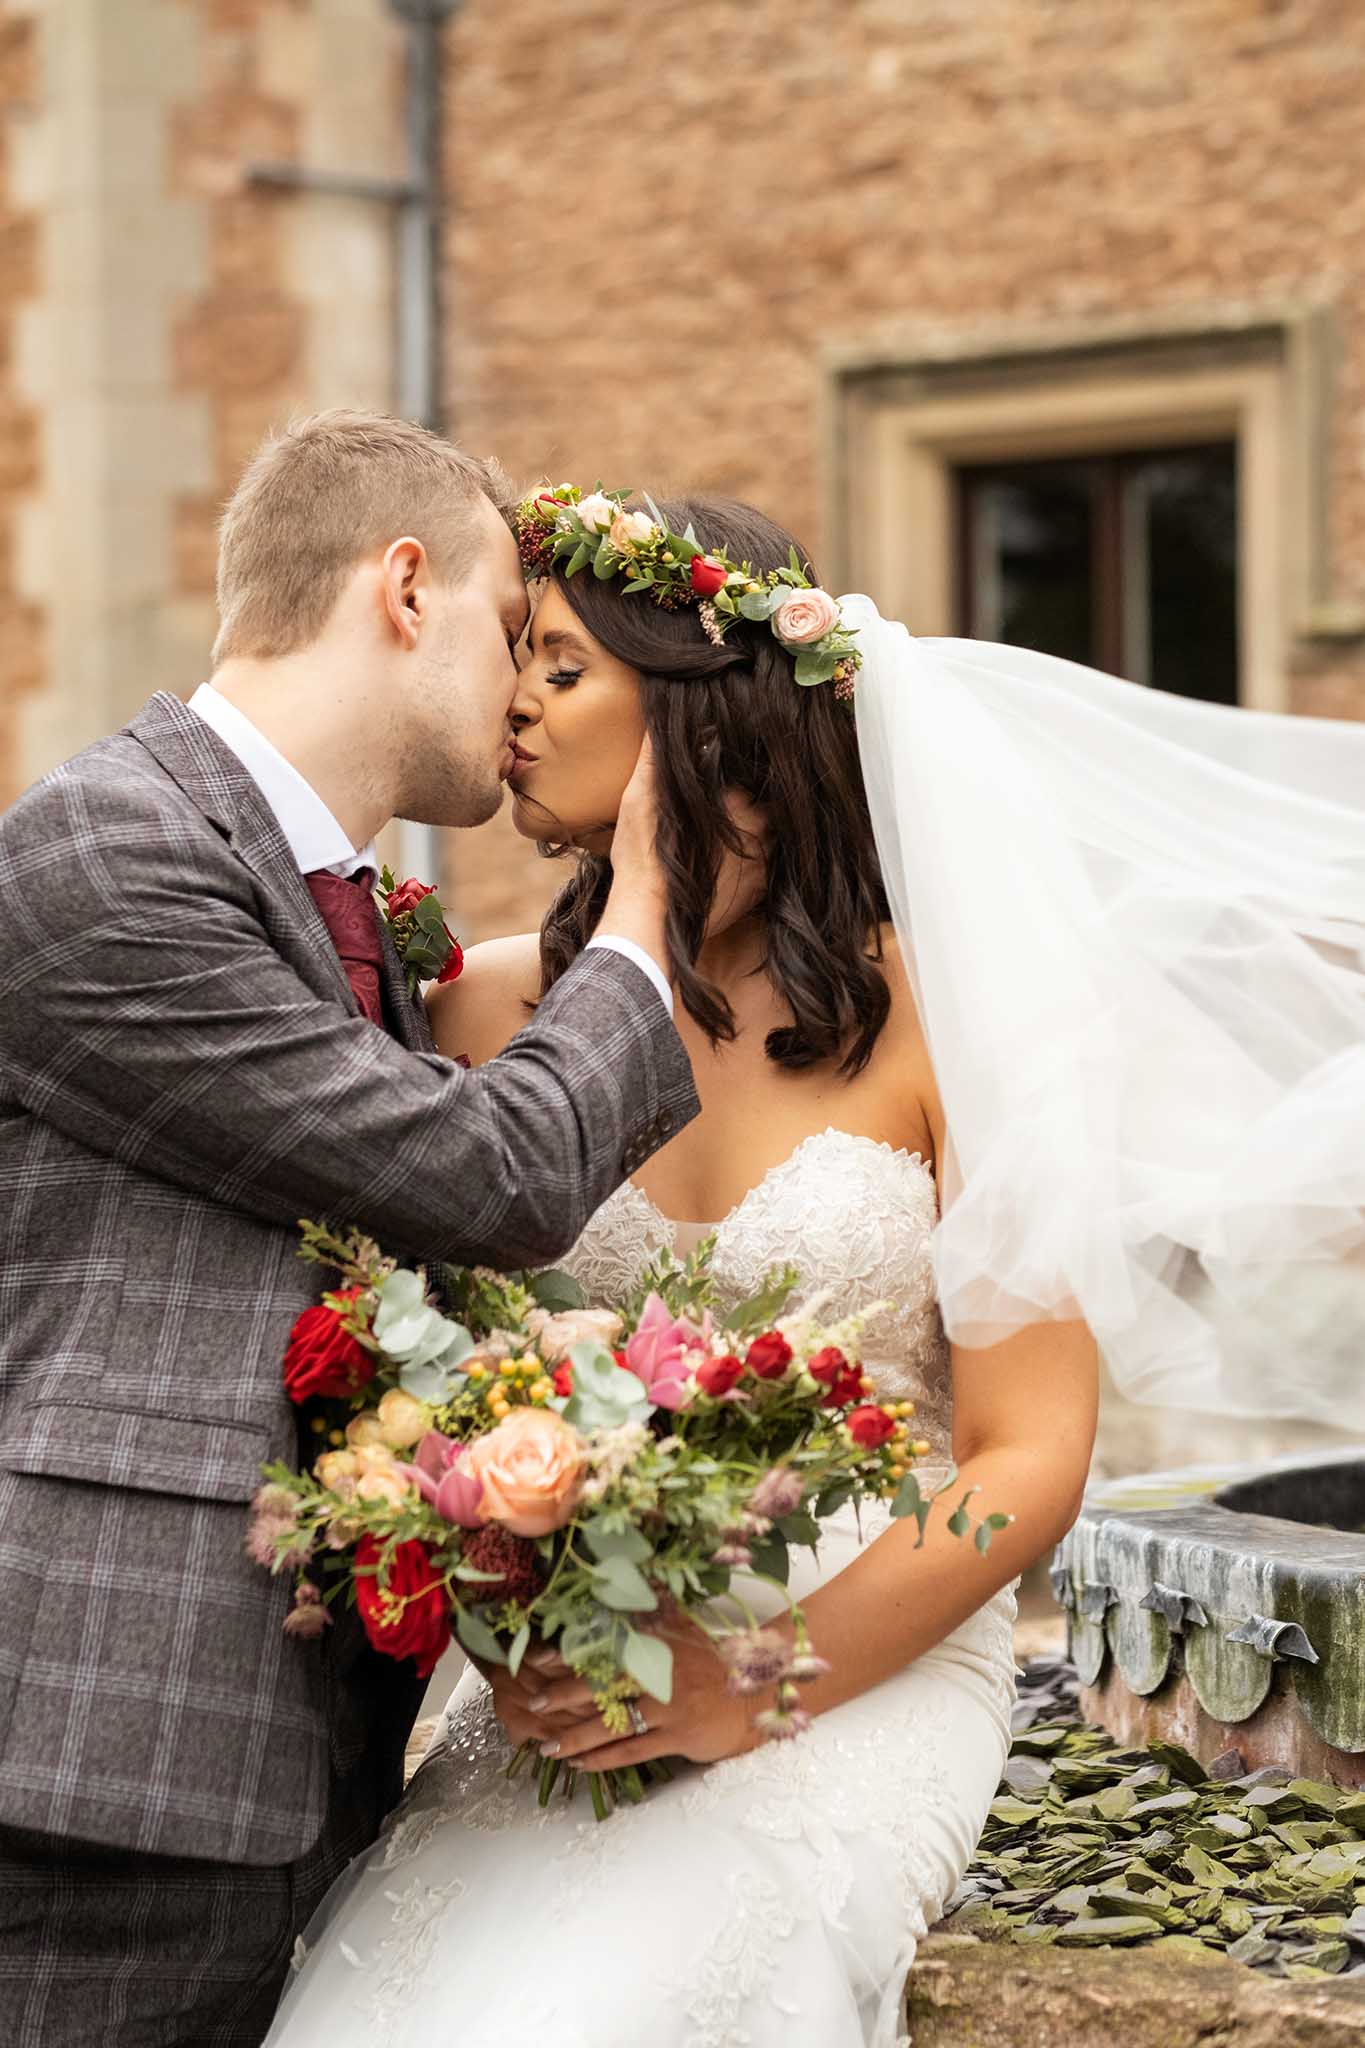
x=637 y=1719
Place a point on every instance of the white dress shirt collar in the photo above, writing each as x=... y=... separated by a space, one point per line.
x=315 y=838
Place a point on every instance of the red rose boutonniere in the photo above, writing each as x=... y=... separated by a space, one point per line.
x=424 y=941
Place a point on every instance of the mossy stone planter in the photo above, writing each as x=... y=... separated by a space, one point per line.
x=1224 y=1608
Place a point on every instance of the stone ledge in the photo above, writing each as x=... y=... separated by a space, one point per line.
x=968 y=1993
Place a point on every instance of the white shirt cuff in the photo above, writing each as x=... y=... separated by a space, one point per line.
x=644 y=961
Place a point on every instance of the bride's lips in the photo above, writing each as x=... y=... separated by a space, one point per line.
x=520 y=759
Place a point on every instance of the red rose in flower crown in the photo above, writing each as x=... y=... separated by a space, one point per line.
x=322 y=1356
x=424 y=942
x=769 y=1355
x=406 y=1614
x=708 y=576
x=871 y=1427
x=844 y=1382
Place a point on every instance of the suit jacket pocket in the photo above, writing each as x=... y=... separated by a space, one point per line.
x=106 y=1446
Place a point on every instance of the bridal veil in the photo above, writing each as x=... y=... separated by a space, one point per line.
x=1135 y=928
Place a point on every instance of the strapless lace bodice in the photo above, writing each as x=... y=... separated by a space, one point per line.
x=850 y=1214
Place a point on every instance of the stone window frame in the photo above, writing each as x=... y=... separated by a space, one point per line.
x=900 y=418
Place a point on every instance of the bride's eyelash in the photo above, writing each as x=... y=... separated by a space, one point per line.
x=563 y=678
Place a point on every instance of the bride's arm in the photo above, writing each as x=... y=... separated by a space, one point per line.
x=1024 y=1424
x=477 y=1015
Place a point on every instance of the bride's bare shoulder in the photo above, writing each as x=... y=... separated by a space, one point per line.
x=906 y=1049
x=492 y=1000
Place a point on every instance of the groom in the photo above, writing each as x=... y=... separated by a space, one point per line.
x=204 y=1035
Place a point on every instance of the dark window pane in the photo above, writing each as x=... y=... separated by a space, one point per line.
x=1127 y=562
x=1187 y=502
x=1030 y=534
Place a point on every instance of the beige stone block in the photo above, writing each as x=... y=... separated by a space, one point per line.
x=238 y=343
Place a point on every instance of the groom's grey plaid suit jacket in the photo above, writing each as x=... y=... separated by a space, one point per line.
x=183 y=1074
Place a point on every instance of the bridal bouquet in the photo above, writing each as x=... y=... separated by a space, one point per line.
x=496 y=1457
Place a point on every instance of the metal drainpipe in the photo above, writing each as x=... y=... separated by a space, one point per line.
x=420 y=307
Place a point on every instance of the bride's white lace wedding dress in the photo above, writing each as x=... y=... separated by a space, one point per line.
x=770 y=1901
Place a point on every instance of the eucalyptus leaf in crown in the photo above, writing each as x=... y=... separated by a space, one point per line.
x=599 y=532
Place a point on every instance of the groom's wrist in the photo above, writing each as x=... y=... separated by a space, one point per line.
x=631 y=949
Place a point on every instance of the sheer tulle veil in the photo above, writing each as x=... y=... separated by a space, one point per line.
x=1135 y=929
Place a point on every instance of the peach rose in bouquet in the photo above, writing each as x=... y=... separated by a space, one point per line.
x=531 y=1467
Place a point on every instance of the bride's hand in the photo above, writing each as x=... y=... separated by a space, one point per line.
x=704 y=1721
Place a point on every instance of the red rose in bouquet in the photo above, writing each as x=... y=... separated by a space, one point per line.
x=323 y=1357
x=871 y=1427
x=769 y=1355
x=718 y=1375
x=409 y=1616
x=843 y=1382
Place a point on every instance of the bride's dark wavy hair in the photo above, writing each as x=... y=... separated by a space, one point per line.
x=733 y=717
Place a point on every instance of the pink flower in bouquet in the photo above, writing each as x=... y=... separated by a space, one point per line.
x=754 y=1658
x=778 y=1493
x=531 y=1468
x=444 y=1481
x=556 y=1335
x=307 y=1618
x=657 y=1353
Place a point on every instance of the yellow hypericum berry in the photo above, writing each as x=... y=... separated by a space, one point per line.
x=899 y=1430
x=898 y=1472
x=920 y=1448
x=317 y=1425
x=867 y=1385
x=336 y=1436
x=509 y=1368
x=541 y=1390
x=905 y=1407
x=529 y=1364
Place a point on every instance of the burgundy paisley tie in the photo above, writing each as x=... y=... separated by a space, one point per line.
x=350 y=914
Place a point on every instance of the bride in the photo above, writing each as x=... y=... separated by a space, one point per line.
x=962 y=1064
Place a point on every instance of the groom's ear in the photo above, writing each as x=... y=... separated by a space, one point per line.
x=405 y=586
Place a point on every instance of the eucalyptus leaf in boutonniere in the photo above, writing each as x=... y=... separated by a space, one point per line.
x=423 y=940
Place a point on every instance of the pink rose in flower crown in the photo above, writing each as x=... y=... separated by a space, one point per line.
x=531 y=1469
x=658 y=1353
x=804 y=617
x=445 y=1482
x=630 y=530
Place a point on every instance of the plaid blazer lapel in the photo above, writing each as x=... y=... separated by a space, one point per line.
x=407 y=1013
x=211 y=775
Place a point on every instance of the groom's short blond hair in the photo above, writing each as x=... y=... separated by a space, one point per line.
x=321 y=495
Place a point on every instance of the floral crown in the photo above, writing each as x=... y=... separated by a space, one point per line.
x=597 y=532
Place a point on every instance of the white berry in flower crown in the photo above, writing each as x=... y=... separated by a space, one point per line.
x=561 y=525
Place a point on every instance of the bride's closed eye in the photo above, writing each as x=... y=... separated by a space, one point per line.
x=563 y=678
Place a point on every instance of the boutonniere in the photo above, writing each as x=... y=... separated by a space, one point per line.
x=422 y=939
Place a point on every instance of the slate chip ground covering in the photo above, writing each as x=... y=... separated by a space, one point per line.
x=1091 y=1845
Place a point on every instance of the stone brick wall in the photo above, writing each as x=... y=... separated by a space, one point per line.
x=658 y=238
x=239 y=342
x=22 y=650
